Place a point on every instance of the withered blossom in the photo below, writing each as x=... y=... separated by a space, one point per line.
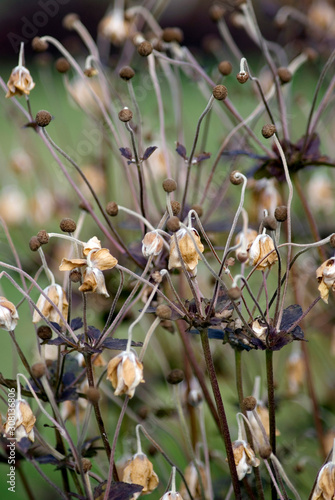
x=20 y=82
x=295 y=369
x=58 y=296
x=325 y=484
x=263 y=414
x=192 y=479
x=170 y=495
x=22 y=424
x=8 y=315
x=246 y=240
x=326 y=277
x=125 y=372
x=114 y=27
x=139 y=470
x=244 y=457
x=152 y=244
x=262 y=245
x=187 y=249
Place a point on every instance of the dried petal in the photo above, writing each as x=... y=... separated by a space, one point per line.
x=325 y=485
x=58 y=296
x=187 y=249
x=114 y=27
x=326 y=277
x=20 y=421
x=20 y=82
x=102 y=259
x=192 y=479
x=8 y=315
x=91 y=244
x=70 y=264
x=93 y=282
x=152 y=244
x=125 y=372
x=262 y=245
x=139 y=470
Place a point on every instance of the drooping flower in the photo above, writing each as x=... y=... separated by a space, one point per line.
x=192 y=479
x=152 y=244
x=20 y=422
x=58 y=296
x=326 y=277
x=139 y=470
x=8 y=315
x=125 y=372
x=325 y=483
x=244 y=457
x=246 y=240
x=170 y=495
x=187 y=249
x=97 y=260
x=114 y=27
x=20 y=82
x=262 y=245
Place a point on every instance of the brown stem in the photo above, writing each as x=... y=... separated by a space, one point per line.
x=272 y=410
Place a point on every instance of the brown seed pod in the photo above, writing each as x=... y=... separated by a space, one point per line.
x=175 y=376
x=93 y=394
x=220 y=92
x=173 y=35
x=225 y=68
x=69 y=20
x=169 y=185
x=265 y=452
x=234 y=293
x=281 y=213
x=43 y=237
x=39 y=45
x=163 y=311
x=216 y=12
x=75 y=276
x=125 y=115
x=242 y=76
x=332 y=241
x=112 y=209
x=62 y=65
x=44 y=332
x=67 y=225
x=270 y=223
x=126 y=73
x=249 y=403
x=34 y=244
x=173 y=224
x=144 y=48
x=268 y=130
x=38 y=370
x=236 y=178
x=176 y=206
x=284 y=74
x=198 y=210
x=43 y=118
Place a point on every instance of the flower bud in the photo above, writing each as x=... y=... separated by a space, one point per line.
x=225 y=68
x=62 y=65
x=242 y=76
x=126 y=73
x=175 y=377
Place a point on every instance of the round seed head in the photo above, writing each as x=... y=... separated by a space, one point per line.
x=242 y=76
x=242 y=257
x=34 y=244
x=225 y=68
x=173 y=224
x=169 y=185
x=75 y=276
x=249 y=403
x=125 y=115
x=144 y=48
x=268 y=130
x=216 y=12
x=234 y=293
x=93 y=394
x=68 y=225
x=284 y=74
x=220 y=92
x=265 y=452
x=175 y=376
x=62 y=65
x=39 y=45
x=38 y=370
x=43 y=237
x=43 y=118
x=112 y=208
x=270 y=223
x=332 y=241
x=176 y=206
x=173 y=35
x=44 y=332
x=281 y=213
x=163 y=311
x=126 y=72
x=69 y=20
x=235 y=178
x=198 y=209
x=311 y=54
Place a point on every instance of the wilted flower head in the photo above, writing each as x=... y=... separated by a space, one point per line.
x=152 y=244
x=114 y=27
x=295 y=372
x=58 y=296
x=21 y=423
x=170 y=495
x=325 y=483
x=261 y=246
x=263 y=414
x=187 y=249
x=246 y=240
x=125 y=372
x=192 y=479
x=8 y=315
x=139 y=470
x=97 y=260
x=326 y=278
x=244 y=457
x=20 y=82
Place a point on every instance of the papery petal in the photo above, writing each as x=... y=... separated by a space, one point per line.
x=102 y=259
x=70 y=264
x=8 y=315
x=93 y=282
x=91 y=244
x=58 y=296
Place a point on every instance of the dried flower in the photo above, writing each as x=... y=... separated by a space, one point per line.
x=263 y=413
x=170 y=495
x=192 y=479
x=114 y=27
x=187 y=249
x=20 y=82
x=295 y=372
x=58 y=296
x=325 y=483
x=152 y=244
x=244 y=457
x=20 y=421
x=8 y=315
x=125 y=372
x=262 y=245
x=326 y=278
x=139 y=470
x=246 y=240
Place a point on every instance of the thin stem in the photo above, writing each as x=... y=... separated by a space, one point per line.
x=139 y=168
x=272 y=409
